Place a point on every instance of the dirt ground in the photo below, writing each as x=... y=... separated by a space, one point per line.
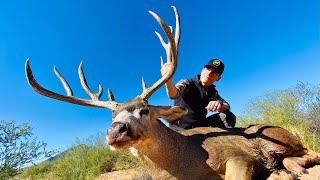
x=119 y=175
x=314 y=174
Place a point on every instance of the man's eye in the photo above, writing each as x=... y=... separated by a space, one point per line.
x=144 y=112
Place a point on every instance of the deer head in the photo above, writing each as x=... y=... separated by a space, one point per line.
x=131 y=121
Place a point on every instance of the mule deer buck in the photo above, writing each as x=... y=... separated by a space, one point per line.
x=200 y=153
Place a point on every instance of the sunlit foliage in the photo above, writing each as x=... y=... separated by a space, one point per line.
x=296 y=109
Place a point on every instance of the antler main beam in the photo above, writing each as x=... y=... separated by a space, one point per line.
x=172 y=57
x=94 y=102
x=171 y=49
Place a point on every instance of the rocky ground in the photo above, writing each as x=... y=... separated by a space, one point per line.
x=129 y=174
x=119 y=175
x=314 y=174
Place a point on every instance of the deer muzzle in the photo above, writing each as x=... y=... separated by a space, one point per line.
x=116 y=132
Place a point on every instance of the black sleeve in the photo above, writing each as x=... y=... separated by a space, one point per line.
x=182 y=88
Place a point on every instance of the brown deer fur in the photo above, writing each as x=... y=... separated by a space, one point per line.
x=202 y=153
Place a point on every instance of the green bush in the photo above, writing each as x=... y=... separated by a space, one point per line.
x=87 y=159
x=37 y=172
x=296 y=109
x=18 y=148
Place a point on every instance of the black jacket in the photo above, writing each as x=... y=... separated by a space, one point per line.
x=193 y=96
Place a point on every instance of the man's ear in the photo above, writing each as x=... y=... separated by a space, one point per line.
x=171 y=114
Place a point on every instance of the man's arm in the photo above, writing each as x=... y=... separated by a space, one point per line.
x=224 y=107
x=218 y=105
x=175 y=91
x=170 y=88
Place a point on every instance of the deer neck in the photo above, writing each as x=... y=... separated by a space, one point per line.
x=162 y=138
x=170 y=151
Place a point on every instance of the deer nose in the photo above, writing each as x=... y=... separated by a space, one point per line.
x=117 y=128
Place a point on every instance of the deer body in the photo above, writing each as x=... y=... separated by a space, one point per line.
x=200 y=153
x=212 y=153
x=162 y=151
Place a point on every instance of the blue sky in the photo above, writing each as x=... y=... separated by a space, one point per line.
x=266 y=45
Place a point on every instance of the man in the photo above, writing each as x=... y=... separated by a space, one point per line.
x=199 y=95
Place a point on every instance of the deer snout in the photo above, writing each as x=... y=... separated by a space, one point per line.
x=116 y=132
x=118 y=128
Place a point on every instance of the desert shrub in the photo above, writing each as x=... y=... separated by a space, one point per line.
x=296 y=109
x=92 y=157
x=86 y=159
x=37 y=172
x=18 y=148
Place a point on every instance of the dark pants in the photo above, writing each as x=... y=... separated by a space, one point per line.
x=222 y=120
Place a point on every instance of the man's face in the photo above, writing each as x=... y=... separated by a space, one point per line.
x=208 y=75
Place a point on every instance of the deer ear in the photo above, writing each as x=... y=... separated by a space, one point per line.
x=171 y=114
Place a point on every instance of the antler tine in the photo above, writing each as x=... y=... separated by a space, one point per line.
x=63 y=81
x=110 y=95
x=144 y=86
x=161 y=61
x=178 y=29
x=111 y=104
x=86 y=87
x=165 y=46
x=176 y=36
x=171 y=52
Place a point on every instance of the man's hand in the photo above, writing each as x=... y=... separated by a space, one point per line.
x=165 y=68
x=170 y=88
x=214 y=106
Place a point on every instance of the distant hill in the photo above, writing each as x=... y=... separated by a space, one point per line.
x=62 y=154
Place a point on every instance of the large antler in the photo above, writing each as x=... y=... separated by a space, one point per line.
x=94 y=102
x=171 y=49
x=172 y=56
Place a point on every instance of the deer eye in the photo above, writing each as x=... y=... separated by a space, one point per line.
x=144 y=112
